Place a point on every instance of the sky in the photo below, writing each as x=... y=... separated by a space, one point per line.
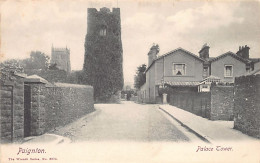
x=29 y=25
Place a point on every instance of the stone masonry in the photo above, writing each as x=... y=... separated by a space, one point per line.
x=222 y=103
x=246 y=105
x=12 y=109
x=40 y=107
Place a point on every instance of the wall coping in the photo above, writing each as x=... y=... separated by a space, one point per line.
x=69 y=85
x=35 y=79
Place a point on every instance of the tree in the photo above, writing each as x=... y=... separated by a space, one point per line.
x=8 y=68
x=140 y=77
x=37 y=60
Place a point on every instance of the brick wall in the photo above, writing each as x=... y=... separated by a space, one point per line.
x=65 y=103
x=222 y=103
x=246 y=105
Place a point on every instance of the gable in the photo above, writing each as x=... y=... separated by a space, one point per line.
x=182 y=56
x=182 y=51
x=174 y=52
x=228 y=54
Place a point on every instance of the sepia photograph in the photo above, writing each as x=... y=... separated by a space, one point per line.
x=129 y=81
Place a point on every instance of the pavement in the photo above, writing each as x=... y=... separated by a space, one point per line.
x=207 y=130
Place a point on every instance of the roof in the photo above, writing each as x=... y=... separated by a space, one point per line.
x=211 y=78
x=171 y=52
x=254 y=60
x=185 y=84
x=230 y=54
x=255 y=72
x=35 y=79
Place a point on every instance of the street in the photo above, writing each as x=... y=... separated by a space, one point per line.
x=126 y=121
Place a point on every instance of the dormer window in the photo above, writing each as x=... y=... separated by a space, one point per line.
x=103 y=31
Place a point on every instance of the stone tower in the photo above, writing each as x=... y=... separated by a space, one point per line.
x=103 y=54
x=61 y=57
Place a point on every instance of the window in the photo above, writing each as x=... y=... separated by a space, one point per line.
x=103 y=31
x=179 y=69
x=228 y=71
x=204 y=86
x=205 y=71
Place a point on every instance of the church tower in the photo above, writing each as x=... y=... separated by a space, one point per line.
x=61 y=57
x=103 y=53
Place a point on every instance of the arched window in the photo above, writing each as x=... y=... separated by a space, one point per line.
x=103 y=31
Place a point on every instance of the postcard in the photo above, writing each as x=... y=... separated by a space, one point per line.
x=129 y=81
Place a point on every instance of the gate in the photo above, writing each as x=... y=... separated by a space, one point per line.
x=194 y=102
x=27 y=110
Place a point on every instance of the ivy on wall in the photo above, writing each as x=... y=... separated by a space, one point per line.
x=103 y=55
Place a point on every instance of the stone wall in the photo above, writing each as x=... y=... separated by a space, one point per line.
x=65 y=103
x=12 y=109
x=246 y=105
x=6 y=112
x=38 y=116
x=30 y=107
x=222 y=103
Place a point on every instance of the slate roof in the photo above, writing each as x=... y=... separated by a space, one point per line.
x=255 y=72
x=230 y=54
x=254 y=60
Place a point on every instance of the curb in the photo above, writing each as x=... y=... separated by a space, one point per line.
x=57 y=139
x=187 y=127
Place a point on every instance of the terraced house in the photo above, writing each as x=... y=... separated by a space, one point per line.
x=189 y=77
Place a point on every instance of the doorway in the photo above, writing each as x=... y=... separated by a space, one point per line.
x=27 y=110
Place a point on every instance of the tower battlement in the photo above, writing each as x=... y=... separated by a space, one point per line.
x=115 y=11
x=60 y=49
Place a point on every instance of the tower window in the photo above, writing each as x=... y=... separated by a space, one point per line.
x=103 y=31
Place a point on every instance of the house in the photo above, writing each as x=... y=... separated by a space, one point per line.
x=181 y=68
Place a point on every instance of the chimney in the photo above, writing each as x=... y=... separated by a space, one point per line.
x=152 y=55
x=243 y=52
x=204 y=52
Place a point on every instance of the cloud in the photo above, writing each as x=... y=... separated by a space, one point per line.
x=206 y=17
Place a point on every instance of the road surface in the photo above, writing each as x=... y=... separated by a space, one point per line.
x=127 y=121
